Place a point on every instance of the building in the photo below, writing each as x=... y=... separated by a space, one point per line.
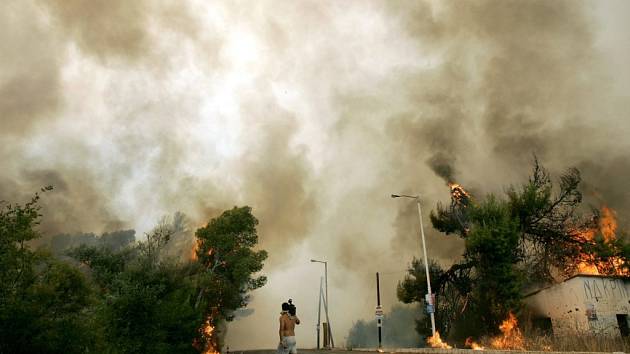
x=584 y=303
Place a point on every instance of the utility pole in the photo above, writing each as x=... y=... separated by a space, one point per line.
x=428 y=297
x=319 y=310
x=379 y=313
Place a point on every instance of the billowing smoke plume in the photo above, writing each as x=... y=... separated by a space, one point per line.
x=313 y=113
x=442 y=165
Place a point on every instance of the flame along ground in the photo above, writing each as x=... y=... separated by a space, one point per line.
x=470 y=343
x=510 y=338
x=436 y=342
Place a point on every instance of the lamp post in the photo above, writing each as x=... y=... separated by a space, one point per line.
x=429 y=298
x=326 y=303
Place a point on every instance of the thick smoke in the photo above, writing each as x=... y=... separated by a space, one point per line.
x=398 y=331
x=442 y=165
x=517 y=79
x=313 y=113
x=115 y=30
x=29 y=69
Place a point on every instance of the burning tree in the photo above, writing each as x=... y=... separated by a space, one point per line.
x=225 y=254
x=536 y=234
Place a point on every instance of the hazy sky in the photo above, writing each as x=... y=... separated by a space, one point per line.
x=311 y=112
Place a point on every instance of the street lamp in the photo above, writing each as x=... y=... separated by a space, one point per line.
x=326 y=303
x=429 y=298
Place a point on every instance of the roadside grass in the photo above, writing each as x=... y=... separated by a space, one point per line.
x=579 y=342
x=569 y=343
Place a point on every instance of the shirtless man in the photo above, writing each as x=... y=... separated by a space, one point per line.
x=287 y=331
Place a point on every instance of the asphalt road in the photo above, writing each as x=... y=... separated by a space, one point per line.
x=300 y=351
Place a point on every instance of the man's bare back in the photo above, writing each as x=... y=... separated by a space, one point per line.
x=287 y=325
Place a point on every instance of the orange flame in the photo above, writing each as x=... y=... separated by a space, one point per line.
x=472 y=344
x=587 y=267
x=511 y=337
x=436 y=342
x=458 y=192
x=607 y=226
x=193 y=251
x=208 y=337
x=208 y=328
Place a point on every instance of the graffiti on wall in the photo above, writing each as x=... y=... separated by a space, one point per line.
x=599 y=288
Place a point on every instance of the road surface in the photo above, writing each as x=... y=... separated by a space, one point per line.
x=398 y=351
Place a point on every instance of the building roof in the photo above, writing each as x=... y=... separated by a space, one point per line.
x=596 y=276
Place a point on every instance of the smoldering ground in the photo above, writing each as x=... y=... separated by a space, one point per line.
x=312 y=113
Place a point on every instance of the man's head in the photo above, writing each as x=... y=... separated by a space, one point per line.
x=285 y=306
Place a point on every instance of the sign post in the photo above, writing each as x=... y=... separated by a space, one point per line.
x=430 y=301
x=379 y=311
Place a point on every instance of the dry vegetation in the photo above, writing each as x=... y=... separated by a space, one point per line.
x=588 y=343
x=572 y=343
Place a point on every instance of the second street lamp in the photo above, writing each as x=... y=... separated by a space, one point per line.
x=326 y=303
x=429 y=297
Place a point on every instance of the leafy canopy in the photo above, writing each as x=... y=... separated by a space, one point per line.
x=43 y=301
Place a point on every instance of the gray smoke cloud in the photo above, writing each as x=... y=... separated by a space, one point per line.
x=312 y=113
x=29 y=69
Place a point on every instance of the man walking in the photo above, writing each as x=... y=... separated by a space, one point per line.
x=288 y=321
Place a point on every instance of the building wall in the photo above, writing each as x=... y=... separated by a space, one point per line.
x=583 y=304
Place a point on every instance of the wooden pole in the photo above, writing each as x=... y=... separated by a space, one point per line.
x=379 y=322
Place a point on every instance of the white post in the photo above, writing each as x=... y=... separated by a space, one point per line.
x=426 y=265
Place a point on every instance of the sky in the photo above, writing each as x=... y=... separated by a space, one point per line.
x=312 y=113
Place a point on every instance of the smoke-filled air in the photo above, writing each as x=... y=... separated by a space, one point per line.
x=311 y=113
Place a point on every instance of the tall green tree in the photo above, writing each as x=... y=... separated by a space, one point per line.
x=492 y=249
x=484 y=286
x=229 y=263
